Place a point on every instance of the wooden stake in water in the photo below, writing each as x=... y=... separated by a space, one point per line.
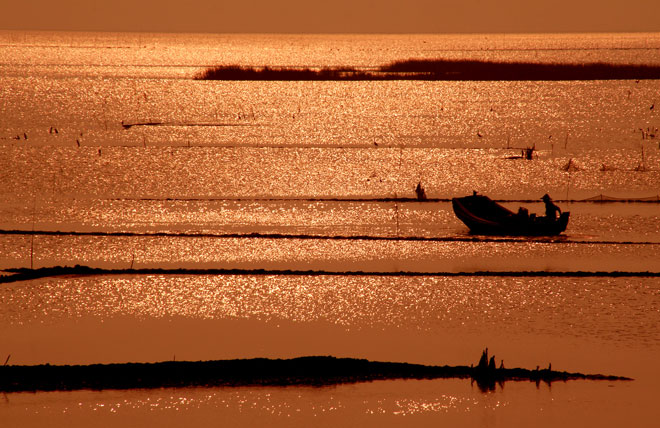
x=34 y=209
x=396 y=212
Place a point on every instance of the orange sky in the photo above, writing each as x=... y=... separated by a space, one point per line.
x=339 y=16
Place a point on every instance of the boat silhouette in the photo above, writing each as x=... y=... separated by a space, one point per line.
x=483 y=216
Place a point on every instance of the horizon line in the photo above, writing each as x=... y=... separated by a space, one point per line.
x=333 y=33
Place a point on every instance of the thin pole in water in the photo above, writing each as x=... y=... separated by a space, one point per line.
x=396 y=211
x=34 y=209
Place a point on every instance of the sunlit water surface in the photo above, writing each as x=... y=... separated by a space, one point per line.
x=311 y=167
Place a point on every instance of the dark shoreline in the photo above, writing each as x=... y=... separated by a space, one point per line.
x=303 y=371
x=301 y=236
x=26 y=274
x=439 y=70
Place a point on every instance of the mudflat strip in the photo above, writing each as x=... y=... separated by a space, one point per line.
x=314 y=371
x=26 y=274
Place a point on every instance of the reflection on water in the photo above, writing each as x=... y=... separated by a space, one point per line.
x=602 y=308
x=422 y=403
x=360 y=404
x=44 y=173
x=328 y=255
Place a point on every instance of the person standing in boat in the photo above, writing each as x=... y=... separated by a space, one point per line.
x=551 y=209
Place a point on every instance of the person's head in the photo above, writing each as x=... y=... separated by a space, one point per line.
x=546 y=198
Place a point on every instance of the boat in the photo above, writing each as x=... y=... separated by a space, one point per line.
x=486 y=217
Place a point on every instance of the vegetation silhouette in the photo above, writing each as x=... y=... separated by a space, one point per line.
x=441 y=69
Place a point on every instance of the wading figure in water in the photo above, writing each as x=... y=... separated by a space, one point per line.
x=421 y=193
x=551 y=209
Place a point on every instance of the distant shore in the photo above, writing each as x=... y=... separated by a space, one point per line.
x=447 y=70
x=314 y=371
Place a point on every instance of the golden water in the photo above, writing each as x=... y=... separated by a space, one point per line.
x=317 y=161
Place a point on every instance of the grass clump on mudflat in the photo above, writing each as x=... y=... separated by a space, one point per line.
x=440 y=69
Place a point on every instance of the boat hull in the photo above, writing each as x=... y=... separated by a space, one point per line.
x=483 y=216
